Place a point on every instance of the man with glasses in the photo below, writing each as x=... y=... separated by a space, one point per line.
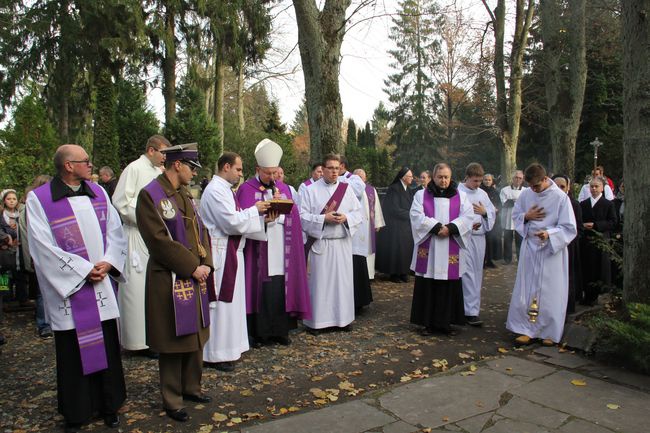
x=78 y=248
x=131 y=293
x=330 y=215
x=509 y=195
x=178 y=281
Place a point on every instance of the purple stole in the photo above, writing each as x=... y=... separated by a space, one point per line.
x=422 y=262
x=67 y=236
x=370 y=193
x=297 y=301
x=184 y=289
x=348 y=175
x=230 y=265
x=332 y=205
x=308 y=182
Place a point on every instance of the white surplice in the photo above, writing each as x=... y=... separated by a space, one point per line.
x=228 y=331
x=355 y=181
x=508 y=193
x=61 y=274
x=135 y=176
x=585 y=192
x=473 y=255
x=421 y=225
x=543 y=270
x=331 y=284
x=361 y=241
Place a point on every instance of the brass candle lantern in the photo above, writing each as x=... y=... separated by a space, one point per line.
x=533 y=311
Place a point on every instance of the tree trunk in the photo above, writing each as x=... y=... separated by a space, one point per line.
x=320 y=35
x=219 y=73
x=636 y=141
x=564 y=94
x=508 y=104
x=169 y=67
x=241 y=120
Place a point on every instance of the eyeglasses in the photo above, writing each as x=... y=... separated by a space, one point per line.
x=192 y=167
x=332 y=168
x=81 y=161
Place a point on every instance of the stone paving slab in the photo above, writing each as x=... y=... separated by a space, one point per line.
x=512 y=426
x=443 y=400
x=476 y=423
x=520 y=368
x=562 y=359
x=580 y=426
x=400 y=427
x=352 y=417
x=621 y=376
x=590 y=402
x=525 y=411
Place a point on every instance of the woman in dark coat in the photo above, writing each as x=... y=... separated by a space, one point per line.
x=575 y=268
x=395 y=241
x=598 y=218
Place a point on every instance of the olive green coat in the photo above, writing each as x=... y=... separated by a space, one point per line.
x=166 y=256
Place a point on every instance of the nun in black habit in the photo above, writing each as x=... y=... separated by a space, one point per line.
x=395 y=241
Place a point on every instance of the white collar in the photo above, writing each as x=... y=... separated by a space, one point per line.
x=403 y=184
x=594 y=200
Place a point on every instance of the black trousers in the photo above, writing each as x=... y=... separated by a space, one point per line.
x=81 y=397
x=507 y=244
x=272 y=319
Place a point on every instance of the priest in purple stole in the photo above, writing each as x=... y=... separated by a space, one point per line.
x=78 y=248
x=276 y=274
x=178 y=285
x=441 y=222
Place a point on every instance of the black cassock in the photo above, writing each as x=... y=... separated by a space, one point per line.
x=596 y=272
x=575 y=268
x=395 y=241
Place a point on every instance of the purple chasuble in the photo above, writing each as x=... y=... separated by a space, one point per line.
x=184 y=290
x=67 y=235
x=297 y=301
x=230 y=265
x=370 y=192
x=422 y=262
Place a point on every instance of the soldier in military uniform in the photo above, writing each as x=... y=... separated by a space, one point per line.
x=177 y=283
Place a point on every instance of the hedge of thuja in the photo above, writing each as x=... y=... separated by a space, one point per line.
x=626 y=336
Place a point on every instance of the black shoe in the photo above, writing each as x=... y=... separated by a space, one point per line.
x=313 y=331
x=404 y=278
x=284 y=341
x=225 y=366
x=473 y=321
x=45 y=333
x=112 y=420
x=177 y=415
x=72 y=427
x=150 y=354
x=395 y=279
x=347 y=328
x=201 y=398
x=427 y=331
x=490 y=265
x=450 y=332
x=3 y=340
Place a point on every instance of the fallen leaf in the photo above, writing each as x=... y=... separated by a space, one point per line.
x=316 y=378
x=346 y=385
x=389 y=372
x=252 y=415
x=205 y=429
x=320 y=401
x=473 y=367
x=405 y=378
x=236 y=420
x=219 y=417
x=502 y=350
x=612 y=406
x=318 y=393
x=246 y=393
x=332 y=397
x=445 y=418
x=294 y=409
x=417 y=352
x=578 y=382
x=462 y=355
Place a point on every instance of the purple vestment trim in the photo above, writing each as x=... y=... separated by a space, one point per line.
x=184 y=290
x=308 y=182
x=227 y=289
x=422 y=261
x=67 y=235
x=297 y=301
x=370 y=192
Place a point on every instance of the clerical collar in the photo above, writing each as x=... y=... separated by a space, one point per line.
x=329 y=183
x=594 y=200
x=60 y=189
x=516 y=188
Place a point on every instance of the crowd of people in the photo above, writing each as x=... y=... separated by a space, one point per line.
x=138 y=265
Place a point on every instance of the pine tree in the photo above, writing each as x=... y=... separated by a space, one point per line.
x=410 y=89
x=135 y=122
x=351 y=139
x=105 y=139
x=28 y=144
